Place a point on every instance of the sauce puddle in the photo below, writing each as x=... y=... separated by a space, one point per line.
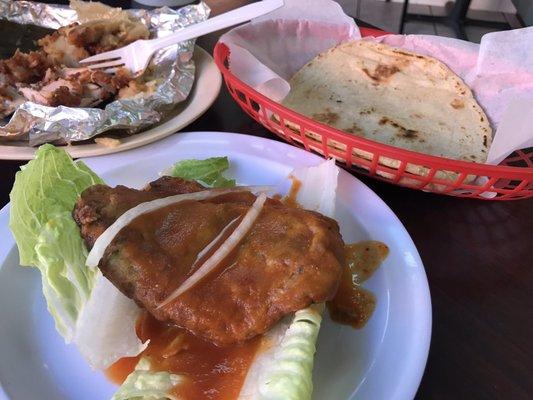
x=214 y=373
x=353 y=305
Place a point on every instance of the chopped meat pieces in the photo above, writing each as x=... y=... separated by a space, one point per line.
x=135 y=88
x=103 y=35
x=51 y=77
x=70 y=44
x=60 y=50
x=57 y=92
x=75 y=87
x=24 y=68
x=289 y=259
x=10 y=99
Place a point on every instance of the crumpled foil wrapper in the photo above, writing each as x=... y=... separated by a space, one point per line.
x=172 y=68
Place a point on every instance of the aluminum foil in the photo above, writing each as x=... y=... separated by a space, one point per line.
x=172 y=68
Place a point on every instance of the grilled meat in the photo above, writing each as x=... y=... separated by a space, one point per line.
x=50 y=76
x=75 y=87
x=289 y=259
x=70 y=44
x=24 y=67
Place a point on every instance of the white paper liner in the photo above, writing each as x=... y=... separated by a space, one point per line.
x=266 y=52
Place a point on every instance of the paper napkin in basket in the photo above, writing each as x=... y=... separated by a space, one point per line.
x=266 y=53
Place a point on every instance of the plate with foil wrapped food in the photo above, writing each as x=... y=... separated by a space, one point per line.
x=200 y=275
x=47 y=96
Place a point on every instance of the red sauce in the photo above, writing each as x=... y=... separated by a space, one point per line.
x=119 y=371
x=290 y=199
x=353 y=305
x=215 y=373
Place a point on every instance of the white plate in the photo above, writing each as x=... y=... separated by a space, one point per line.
x=385 y=360
x=205 y=90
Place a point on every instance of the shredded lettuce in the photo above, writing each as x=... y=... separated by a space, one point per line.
x=208 y=172
x=87 y=309
x=143 y=384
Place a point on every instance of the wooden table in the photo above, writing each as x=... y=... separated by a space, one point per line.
x=477 y=256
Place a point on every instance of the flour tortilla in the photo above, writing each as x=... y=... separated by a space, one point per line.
x=395 y=97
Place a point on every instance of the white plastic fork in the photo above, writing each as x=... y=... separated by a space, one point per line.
x=137 y=55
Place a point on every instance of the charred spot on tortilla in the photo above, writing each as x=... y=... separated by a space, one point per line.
x=408 y=54
x=381 y=73
x=457 y=104
x=367 y=111
x=408 y=133
x=401 y=131
x=353 y=129
x=328 y=117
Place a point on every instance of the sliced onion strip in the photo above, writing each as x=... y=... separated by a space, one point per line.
x=103 y=241
x=213 y=242
x=222 y=252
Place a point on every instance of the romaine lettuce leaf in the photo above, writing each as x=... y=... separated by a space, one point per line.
x=207 y=172
x=86 y=307
x=143 y=384
x=47 y=237
x=67 y=283
x=285 y=369
x=46 y=186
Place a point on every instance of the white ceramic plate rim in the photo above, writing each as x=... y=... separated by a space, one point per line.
x=404 y=388
x=204 y=92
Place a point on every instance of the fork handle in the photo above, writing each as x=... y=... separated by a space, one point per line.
x=230 y=18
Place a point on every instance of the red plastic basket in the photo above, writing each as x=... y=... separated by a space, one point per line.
x=511 y=180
